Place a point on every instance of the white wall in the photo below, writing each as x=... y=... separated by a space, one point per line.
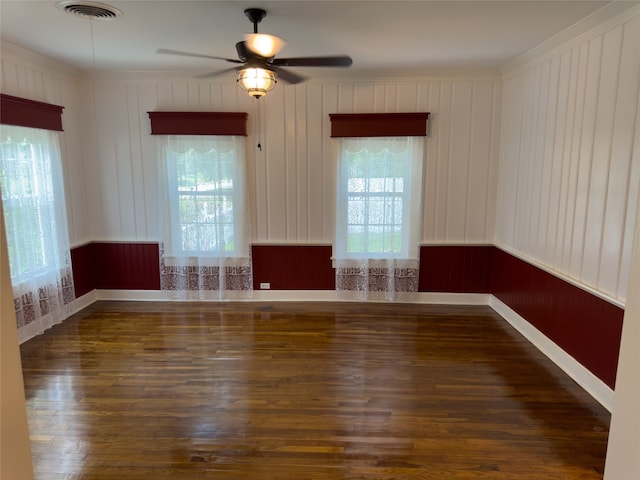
x=292 y=178
x=569 y=175
x=111 y=172
x=24 y=74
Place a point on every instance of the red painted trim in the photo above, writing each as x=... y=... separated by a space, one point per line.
x=455 y=268
x=293 y=267
x=585 y=326
x=29 y=113
x=378 y=124
x=198 y=123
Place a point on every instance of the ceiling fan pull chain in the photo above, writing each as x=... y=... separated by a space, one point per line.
x=259 y=124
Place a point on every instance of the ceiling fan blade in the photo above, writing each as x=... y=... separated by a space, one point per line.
x=167 y=51
x=331 y=61
x=264 y=44
x=215 y=74
x=287 y=76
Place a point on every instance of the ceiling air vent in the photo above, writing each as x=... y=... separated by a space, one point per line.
x=92 y=10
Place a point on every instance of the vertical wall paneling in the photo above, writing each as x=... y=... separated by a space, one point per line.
x=293 y=267
x=479 y=164
x=363 y=97
x=585 y=326
x=443 y=160
x=490 y=201
x=509 y=162
x=259 y=162
x=563 y=230
x=128 y=266
x=113 y=182
x=124 y=163
x=330 y=104
x=105 y=196
x=618 y=191
x=277 y=175
x=294 y=129
x=455 y=268
x=608 y=81
x=594 y=53
x=567 y=179
x=147 y=152
x=573 y=187
x=458 y=171
x=632 y=204
x=83 y=264
x=315 y=165
x=431 y=165
x=74 y=166
x=299 y=162
x=549 y=98
x=136 y=170
x=554 y=217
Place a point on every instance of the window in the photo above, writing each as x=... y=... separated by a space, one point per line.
x=378 y=203
x=205 y=195
x=29 y=159
x=379 y=197
x=205 y=249
x=36 y=227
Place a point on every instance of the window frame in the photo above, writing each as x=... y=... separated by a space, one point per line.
x=372 y=126
x=237 y=192
x=410 y=198
x=183 y=124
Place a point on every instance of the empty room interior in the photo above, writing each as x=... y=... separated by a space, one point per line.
x=320 y=239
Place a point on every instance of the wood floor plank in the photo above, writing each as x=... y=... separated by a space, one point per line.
x=303 y=390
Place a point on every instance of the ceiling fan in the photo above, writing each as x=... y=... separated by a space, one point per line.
x=258 y=63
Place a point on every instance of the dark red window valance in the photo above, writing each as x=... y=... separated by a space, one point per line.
x=29 y=113
x=198 y=123
x=379 y=124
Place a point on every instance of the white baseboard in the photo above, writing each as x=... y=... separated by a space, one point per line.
x=297 y=296
x=84 y=301
x=583 y=377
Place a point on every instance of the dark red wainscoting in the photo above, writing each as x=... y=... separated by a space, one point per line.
x=293 y=267
x=455 y=268
x=585 y=326
x=83 y=269
x=127 y=266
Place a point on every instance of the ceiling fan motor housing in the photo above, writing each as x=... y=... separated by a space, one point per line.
x=255 y=16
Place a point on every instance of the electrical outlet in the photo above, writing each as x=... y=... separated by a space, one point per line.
x=265 y=286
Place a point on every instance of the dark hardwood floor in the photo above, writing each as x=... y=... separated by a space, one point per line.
x=303 y=391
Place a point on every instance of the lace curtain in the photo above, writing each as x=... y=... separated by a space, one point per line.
x=205 y=249
x=35 y=222
x=378 y=217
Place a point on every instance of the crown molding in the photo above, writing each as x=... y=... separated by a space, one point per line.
x=599 y=22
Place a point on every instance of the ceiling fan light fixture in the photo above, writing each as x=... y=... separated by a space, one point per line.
x=256 y=81
x=264 y=44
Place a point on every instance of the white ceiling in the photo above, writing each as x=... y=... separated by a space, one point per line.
x=403 y=36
